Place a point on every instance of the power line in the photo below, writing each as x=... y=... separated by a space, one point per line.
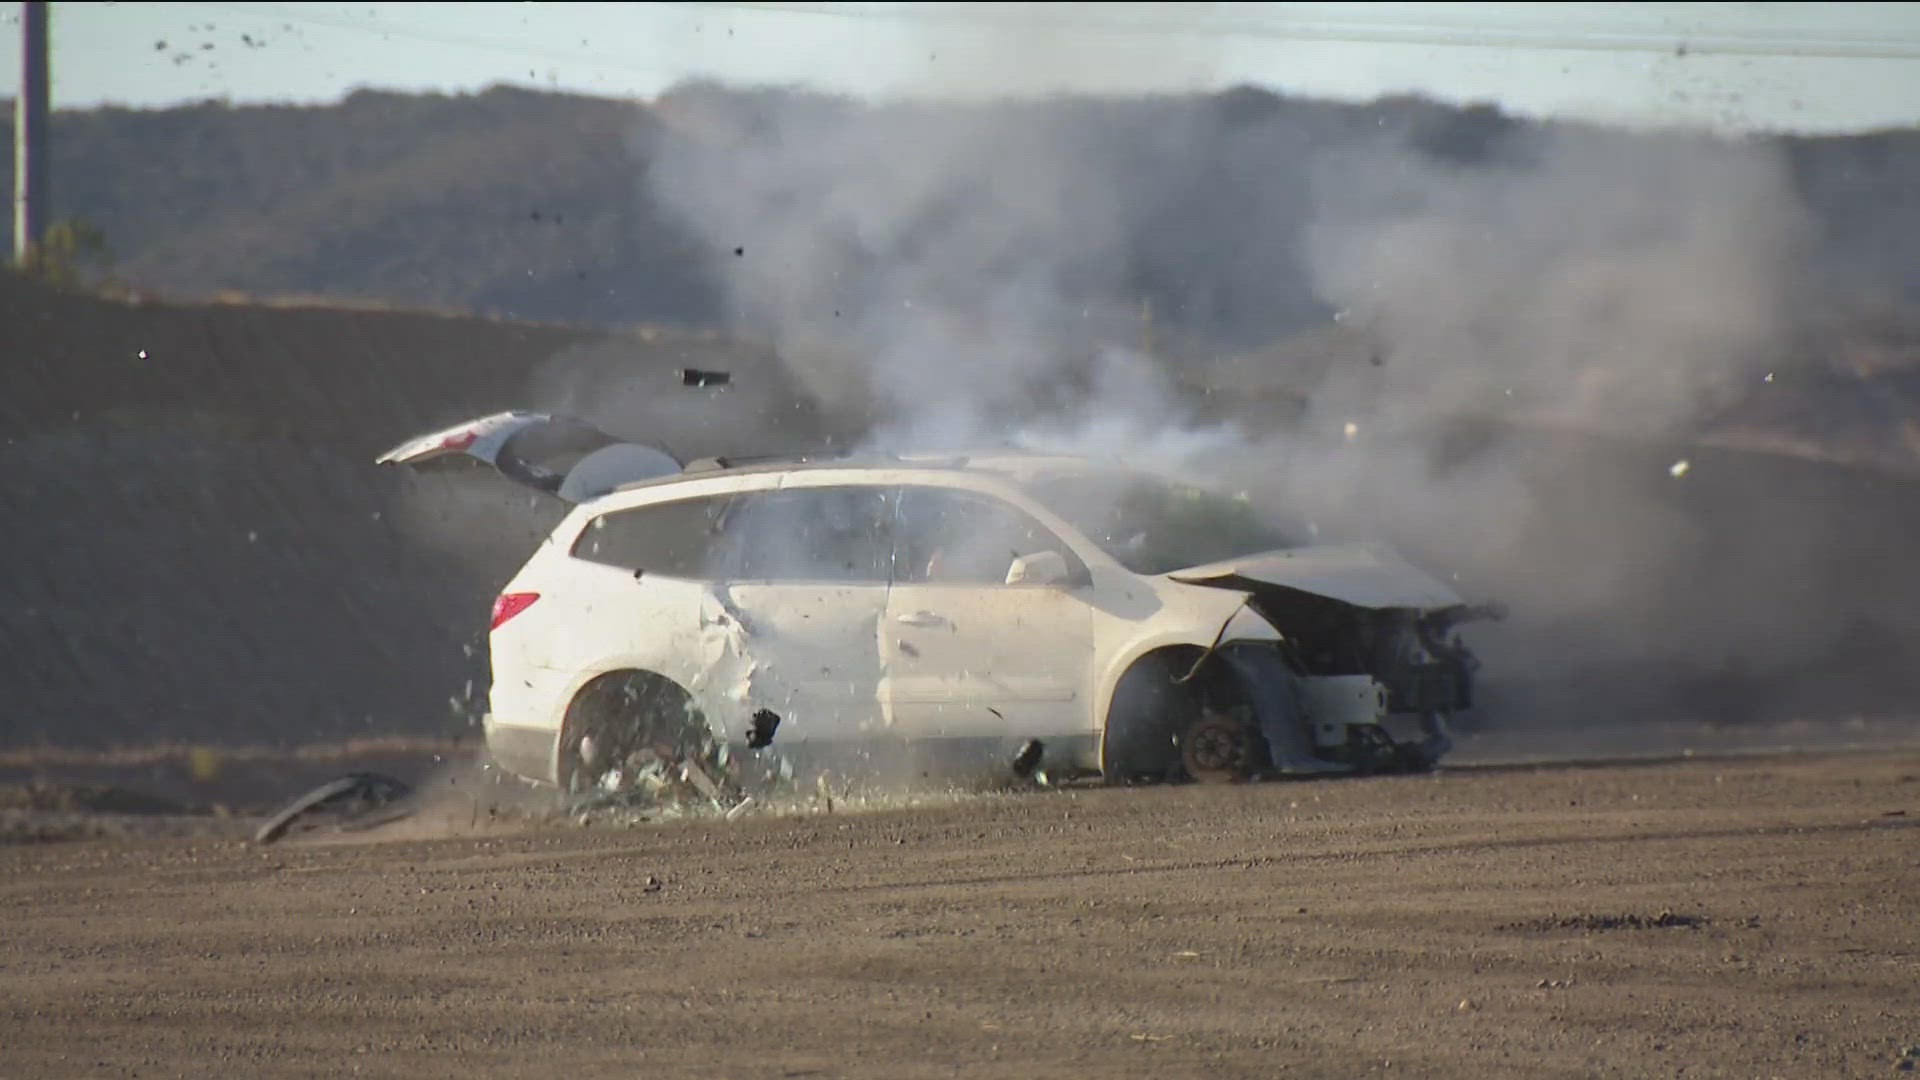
x=1347 y=31
x=472 y=41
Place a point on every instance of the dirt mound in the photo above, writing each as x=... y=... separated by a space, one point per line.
x=202 y=549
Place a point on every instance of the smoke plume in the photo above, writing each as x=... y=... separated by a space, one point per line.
x=1480 y=339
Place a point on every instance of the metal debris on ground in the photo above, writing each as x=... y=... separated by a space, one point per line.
x=656 y=781
x=350 y=803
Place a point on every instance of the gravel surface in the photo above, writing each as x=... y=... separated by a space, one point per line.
x=1741 y=917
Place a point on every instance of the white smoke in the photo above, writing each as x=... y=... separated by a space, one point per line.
x=982 y=273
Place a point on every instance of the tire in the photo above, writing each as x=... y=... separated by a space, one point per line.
x=1145 y=722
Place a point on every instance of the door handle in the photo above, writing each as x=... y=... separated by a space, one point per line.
x=920 y=618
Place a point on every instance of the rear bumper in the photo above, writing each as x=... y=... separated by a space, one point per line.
x=523 y=751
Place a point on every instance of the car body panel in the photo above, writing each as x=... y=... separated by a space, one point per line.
x=592 y=462
x=1362 y=575
x=890 y=644
x=963 y=660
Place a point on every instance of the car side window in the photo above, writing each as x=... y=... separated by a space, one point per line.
x=675 y=538
x=832 y=534
x=949 y=536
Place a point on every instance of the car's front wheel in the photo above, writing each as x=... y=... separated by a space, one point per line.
x=1150 y=712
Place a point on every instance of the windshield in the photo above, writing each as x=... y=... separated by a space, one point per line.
x=1151 y=525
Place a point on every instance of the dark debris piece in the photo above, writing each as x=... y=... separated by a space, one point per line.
x=1665 y=920
x=1028 y=759
x=760 y=732
x=699 y=377
x=354 y=801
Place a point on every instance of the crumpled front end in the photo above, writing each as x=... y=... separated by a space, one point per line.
x=1369 y=669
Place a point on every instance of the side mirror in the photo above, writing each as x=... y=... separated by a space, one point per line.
x=1039 y=568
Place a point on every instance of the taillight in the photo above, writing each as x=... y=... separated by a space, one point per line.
x=507 y=605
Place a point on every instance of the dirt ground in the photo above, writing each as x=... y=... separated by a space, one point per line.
x=1739 y=917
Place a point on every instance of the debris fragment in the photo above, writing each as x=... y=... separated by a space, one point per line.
x=354 y=801
x=760 y=732
x=1352 y=431
x=1028 y=758
x=1665 y=920
x=700 y=377
x=1679 y=468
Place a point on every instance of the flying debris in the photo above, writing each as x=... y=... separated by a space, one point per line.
x=698 y=377
x=1028 y=759
x=760 y=732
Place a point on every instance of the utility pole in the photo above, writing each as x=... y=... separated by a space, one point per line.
x=30 y=117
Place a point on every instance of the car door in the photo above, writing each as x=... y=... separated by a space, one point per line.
x=804 y=577
x=969 y=654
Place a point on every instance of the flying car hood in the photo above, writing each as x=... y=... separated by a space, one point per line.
x=1364 y=575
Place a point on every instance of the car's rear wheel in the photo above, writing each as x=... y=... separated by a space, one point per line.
x=622 y=722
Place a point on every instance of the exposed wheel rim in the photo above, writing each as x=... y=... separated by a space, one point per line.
x=1216 y=750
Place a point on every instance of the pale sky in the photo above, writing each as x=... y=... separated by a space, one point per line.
x=1780 y=66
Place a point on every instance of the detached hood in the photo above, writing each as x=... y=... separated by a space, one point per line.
x=1360 y=574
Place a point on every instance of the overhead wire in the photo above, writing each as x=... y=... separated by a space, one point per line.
x=1352 y=31
x=415 y=33
x=1180 y=22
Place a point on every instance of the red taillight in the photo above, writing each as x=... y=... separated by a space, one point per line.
x=507 y=605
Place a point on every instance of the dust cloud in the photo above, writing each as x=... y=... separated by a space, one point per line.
x=1479 y=339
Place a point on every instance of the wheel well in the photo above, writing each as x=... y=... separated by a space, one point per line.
x=1154 y=700
x=626 y=711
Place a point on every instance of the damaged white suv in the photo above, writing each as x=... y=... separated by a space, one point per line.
x=1000 y=609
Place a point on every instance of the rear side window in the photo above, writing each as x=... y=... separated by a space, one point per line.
x=815 y=534
x=943 y=536
x=675 y=538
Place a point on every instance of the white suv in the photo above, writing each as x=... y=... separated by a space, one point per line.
x=981 y=610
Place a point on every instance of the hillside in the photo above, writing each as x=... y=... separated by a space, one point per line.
x=539 y=206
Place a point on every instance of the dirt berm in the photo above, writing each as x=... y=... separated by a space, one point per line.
x=200 y=549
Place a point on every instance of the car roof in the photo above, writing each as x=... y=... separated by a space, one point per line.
x=1014 y=464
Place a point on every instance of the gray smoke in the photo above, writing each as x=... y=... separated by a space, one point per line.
x=1619 y=282
x=979 y=273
